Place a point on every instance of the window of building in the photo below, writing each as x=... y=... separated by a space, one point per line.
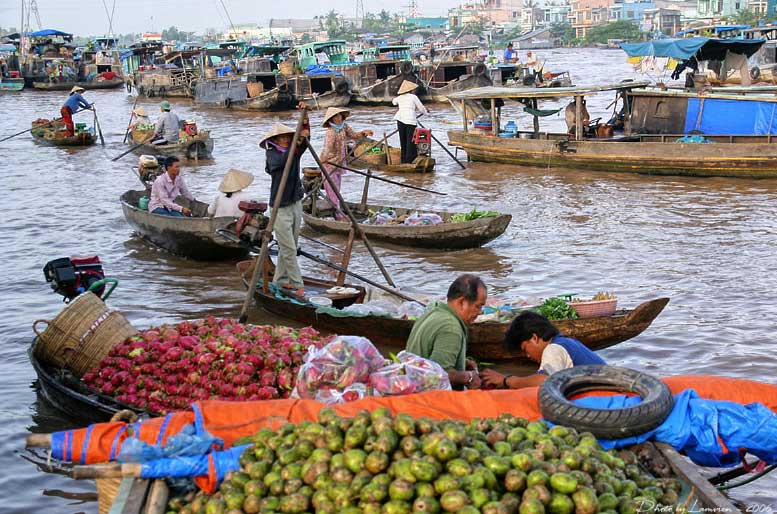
x=588 y=15
x=736 y=6
x=629 y=15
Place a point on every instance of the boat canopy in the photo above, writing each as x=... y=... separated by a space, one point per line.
x=49 y=32
x=487 y=93
x=7 y=48
x=703 y=48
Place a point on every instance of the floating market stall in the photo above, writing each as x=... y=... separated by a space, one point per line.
x=54 y=133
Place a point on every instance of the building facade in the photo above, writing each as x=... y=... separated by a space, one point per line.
x=661 y=21
x=720 y=8
x=630 y=10
x=585 y=14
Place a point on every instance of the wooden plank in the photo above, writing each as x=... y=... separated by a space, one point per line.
x=131 y=497
x=701 y=487
x=157 y=498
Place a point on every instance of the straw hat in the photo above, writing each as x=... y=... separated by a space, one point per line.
x=140 y=111
x=77 y=89
x=277 y=129
x=406 y=87
x=165 y=106
x=235 y=180
x=332 y=111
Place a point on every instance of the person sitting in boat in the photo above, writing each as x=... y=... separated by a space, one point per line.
x=166 y=188
x=73 y=103
x=231 y=187
x=335 y=151
x=533 y=63
x=510 y=55
x=277 y=142
x=167 y=126
x=570 y=115
x=409 y=105
x=141 y=117
x=441 y=333
x=536 y=336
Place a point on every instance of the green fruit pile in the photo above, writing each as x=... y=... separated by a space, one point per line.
x=379 y=463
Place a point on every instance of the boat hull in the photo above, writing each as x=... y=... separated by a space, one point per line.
x=11 y=84
x=440 y=94
x=194 y=237
x=468 y=234
x=82 y=139
x=420 y=165
x=735 y=156
x=273 y=100
x=194 y=148
x=67 y=86
x=327 y=100
x=382 y=92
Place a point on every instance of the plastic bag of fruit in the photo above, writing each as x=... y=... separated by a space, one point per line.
x=349 y=394
x=409 y=374
x=345 y=361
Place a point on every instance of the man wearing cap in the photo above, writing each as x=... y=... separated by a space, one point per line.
x=288 y=219
x=74 y=102
x=167 y=126
x=227 y=203
x=408 y=104
x=166 y=188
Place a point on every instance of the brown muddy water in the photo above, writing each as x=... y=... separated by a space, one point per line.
x=708 y=244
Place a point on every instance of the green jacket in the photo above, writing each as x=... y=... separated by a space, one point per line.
x=440 y=335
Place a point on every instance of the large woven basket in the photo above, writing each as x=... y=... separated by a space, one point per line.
x=593 y=309
x=81 y=335
x=396 y=155
x=370 y=156
x=287 y=67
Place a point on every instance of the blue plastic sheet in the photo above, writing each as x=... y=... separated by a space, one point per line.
x=730 y=117
x=48 y=32
x=188 y=467
x=688 y=47
x=320 y=69
x=189 y=441
x=697 y=426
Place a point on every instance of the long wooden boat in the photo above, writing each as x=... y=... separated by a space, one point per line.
x=67 y=86
x=363 y=160
x=264 y=91
x=485 y=339
x=740 y=156
x=52 y=134
x=443 y=79
x=199 y=146
x=193 y=237
x=276 y=99
x=320 y=91
x=11 y=84
x=446 y=235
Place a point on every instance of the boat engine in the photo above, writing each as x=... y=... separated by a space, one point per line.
x=422 y=137
x=250 y=226
x=71 y=276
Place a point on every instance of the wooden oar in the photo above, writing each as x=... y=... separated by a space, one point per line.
x=38 y=126
x=375 y=177
x=132 y=115
x=149 y=138
x=97 y=125
x=267 y=233
x=444 y=147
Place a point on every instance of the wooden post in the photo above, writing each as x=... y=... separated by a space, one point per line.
x=536 y=119
x=346 y=257
x=578 y=118
x=494 y=121
x=363 y=204
x=386 y=148
x=464 y=116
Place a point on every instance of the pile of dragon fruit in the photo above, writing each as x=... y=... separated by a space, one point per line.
x=167 y=368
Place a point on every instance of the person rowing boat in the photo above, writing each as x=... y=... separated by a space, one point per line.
x=73 y=103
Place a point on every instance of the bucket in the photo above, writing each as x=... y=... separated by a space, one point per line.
x=143 y=203
x=80 y=336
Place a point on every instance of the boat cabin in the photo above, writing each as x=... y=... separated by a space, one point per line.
x=266 y=59
x=140 y=56
x=326 y=52
x=45 y=53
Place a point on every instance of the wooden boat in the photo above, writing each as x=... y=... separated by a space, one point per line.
x=193 y=237
x=67 y=86
x=485 y=339
x=265 y=91
x=365 y=159
x=11 y=84
x=320 y=91
x=460 y=74
x=667 y=153
x=199 y=146
x=53 y=134
x=446 y=235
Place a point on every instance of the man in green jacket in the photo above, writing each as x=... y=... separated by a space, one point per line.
x=441 y=333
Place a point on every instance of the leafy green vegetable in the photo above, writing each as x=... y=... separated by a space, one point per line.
x=473 y=215
x=556 y=308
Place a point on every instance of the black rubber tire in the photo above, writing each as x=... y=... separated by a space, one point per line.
x=657 y=401
x=227 y=103
x=755 y=72
x=342 y=87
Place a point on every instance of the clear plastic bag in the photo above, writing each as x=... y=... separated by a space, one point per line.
x=349 y=394
x=345 y=361
x=411 y=310
x=428 y=218
x=412 y=374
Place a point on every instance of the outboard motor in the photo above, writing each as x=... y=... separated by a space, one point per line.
x=250 y=226
x=422 y=137
x=71 y=276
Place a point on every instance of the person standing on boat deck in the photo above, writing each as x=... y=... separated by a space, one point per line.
x=74 y=102
x=408 y=104
x=441 y=333
x=231 y=187
x=167 y=126
x=166 y=188
x=536 y=336
x=510 y=55
x=289 y=216
x=335 y=151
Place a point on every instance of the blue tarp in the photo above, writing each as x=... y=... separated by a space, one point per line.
x=688 y=47
x=186 y=467
x=49 y=32
x=321 y=69
x=730 y=117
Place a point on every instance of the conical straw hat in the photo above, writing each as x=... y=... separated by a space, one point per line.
x=406 y=87
x=277 y=129
x=235 y=180
x=332 y=111
x=140 y=111
x=77 y=89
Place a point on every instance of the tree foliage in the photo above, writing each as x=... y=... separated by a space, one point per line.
x=615 y=30
x=173 y=34
x=747 y=17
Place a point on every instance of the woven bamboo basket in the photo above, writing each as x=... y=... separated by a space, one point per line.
x=595 y=308
x=107 y=489
x=254 y=89
x=287 y=67
x=368 y=156
x=81 y=335
x=396 y=155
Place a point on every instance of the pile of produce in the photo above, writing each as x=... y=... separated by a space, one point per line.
x=474 y=214
x=388 y=216
x=598 y=297
x=376 y=463
x=167 y=368
x=557 y=308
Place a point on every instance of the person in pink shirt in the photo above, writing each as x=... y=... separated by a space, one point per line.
x=167 y=187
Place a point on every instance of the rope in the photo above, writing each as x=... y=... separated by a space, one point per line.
x=748 y=480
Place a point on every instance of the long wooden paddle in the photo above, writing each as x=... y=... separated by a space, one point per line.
x=149 y=138
x=132 y=115
x=267 y=233
x=38 y=126
x=97 y=125
x=444 y=147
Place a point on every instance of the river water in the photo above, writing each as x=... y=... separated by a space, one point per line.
x=708 y=244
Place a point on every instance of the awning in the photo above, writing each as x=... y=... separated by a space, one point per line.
x=49 y=32
x=702 y=47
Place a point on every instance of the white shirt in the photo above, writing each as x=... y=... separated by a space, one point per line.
x=223 y=206
x=408 y=105
x=555 y=358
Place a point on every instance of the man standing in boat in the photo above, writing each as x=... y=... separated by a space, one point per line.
x=167 y=126
x=166 y=188
x=441 y=333
x=73 y=103
x=536 y=336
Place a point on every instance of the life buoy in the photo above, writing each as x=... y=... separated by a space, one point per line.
x=406 y=68
x=657 y=401
x=479 y=69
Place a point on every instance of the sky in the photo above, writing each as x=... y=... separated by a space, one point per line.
x=88 y=17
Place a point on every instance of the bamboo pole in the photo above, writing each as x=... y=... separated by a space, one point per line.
x=578 y=118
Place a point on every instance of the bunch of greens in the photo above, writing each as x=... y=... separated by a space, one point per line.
x=556 y=308
x=473 y=215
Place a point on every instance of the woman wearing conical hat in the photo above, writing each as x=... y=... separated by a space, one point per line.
x=409 y=105
x=141 y=117
x=231 y=187
x=335 y=151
